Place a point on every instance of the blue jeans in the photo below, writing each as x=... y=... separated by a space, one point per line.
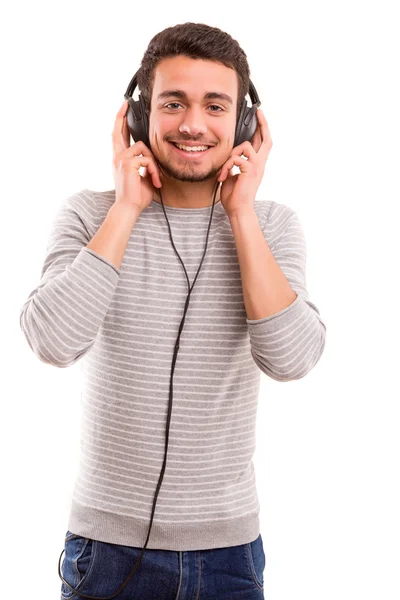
x=99 y=568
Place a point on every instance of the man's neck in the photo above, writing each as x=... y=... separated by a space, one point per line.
x=193 y=195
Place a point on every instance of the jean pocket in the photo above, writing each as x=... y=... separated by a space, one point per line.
x=77 y=566
x=256 y=556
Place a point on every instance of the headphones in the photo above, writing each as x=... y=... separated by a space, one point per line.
x=138 y=124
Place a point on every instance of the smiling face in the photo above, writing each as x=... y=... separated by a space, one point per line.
x=193 y=101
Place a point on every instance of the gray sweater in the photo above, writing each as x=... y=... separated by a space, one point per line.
x=123 y=324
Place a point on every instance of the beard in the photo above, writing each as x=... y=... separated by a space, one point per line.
x=188 y=172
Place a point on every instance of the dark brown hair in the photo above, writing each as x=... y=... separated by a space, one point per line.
x=194 y=40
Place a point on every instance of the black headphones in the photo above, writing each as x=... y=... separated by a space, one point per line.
x=138 y=124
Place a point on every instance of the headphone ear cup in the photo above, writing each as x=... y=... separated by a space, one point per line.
x=247 y=124
x=137 y=121
x=239 y=123
x=145 y=123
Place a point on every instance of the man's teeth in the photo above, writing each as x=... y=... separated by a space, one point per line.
x=191 y=148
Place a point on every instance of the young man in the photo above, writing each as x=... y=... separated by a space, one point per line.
x=112 y=293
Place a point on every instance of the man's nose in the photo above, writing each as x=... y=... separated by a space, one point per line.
x=193 y=123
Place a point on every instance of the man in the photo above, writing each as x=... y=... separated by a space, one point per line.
x=112 y=293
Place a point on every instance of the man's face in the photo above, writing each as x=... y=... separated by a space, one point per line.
x=210 y=121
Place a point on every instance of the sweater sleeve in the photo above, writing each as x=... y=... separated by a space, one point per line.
x=289 y=343
x=63 y=313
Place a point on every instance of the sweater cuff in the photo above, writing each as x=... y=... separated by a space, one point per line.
x=278 y=320
x=97 y=264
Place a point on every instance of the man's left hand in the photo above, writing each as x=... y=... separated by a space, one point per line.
x=238 y=192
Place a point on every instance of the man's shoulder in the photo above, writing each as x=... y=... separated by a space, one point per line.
x=89 y=199
x=272 y=213
x=103 y=200
x=88 y=206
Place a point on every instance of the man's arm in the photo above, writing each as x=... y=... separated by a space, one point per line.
x=287 y=334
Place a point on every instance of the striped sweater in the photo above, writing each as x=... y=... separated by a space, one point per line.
x=123 y=324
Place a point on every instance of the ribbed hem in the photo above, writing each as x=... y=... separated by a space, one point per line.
x=128 y=531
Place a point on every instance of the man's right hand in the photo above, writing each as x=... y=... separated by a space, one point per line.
x=131 y=188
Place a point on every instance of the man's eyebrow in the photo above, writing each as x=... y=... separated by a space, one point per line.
x=208 y=96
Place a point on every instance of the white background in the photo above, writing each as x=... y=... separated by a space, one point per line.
x=328 y=448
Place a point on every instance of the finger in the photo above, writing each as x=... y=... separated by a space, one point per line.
x=266 y=139
x=126 y=134
x=138 y=148
x=135 y=163
x=135 y=150
x=151 y=169
x=242 y=163
x=256 y=140
x=119 y=142
x=245 y=148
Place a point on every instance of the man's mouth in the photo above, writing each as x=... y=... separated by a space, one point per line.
x=191 y=151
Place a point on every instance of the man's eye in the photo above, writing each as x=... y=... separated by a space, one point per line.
x=177 y=104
